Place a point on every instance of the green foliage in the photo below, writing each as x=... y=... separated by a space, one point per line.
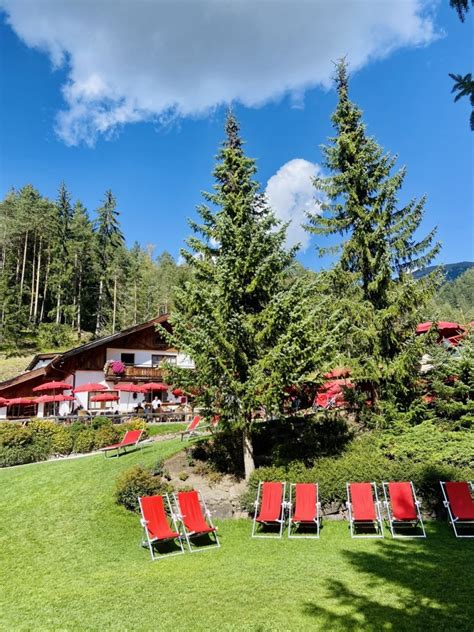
x=85 y=441
x=247 y=329
x=454 y=300
x=20 y=445
x=135 y=482
x=370 y=458
x=135 y=424
x=55 y=336
x=106 y=435
x=379 y=299
x=99 y=421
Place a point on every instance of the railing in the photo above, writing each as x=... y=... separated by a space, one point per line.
x=136 y=373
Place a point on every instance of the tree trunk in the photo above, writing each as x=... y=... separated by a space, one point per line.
x=58 y=306
x=45 y=289
x=79 y=302
x=33 y=279
x=114 y=314
x=20 y=294
x=38 y=273
x=249 y=464
x=99 y=307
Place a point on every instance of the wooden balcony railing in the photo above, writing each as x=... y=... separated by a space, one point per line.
x=133 y=373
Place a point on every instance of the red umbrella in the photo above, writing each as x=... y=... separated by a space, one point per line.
x=105 y=397
x=45 y=399
x=53 y=386
x=130 y=388
x=21 y=400
x=3 y=401
x=85 y=388
x=177 y=392
x=156 y=386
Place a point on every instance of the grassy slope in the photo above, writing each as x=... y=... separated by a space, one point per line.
x=70 y=559
x=9 y=367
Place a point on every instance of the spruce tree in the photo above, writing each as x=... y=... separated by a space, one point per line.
x=234 y=318
x=379 y=249
x=109 y=240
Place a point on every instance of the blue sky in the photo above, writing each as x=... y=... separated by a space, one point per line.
x=157 y=165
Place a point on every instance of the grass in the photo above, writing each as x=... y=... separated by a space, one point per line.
x=11 y=366
x=70 y=560
x=165 y=428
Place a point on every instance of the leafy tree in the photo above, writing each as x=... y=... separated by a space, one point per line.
x=463 y=85
x=246 y=329
x=381 y=300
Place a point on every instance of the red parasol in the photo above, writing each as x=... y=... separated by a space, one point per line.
x=90 y=386
x=46 y=399
x=177 y=392
x=3 y=401
x=156 y=386
x=130 y=388
x=21 y=400
x=105 y=397
x=53 y=386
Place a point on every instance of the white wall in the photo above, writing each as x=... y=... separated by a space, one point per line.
x=3 y=412
x=142 y=358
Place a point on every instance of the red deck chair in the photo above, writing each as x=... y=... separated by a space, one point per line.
x=192 y=427
x=364 y=509
x=195 y=518
x=460 y=505
x=403 y=509
x=269 y=508
x=304 y=509
x=131 y=439
x=155 y=523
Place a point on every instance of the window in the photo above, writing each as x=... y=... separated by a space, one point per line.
x=158 y=359
x=128 y=358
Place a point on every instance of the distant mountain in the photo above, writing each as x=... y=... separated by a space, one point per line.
x=451 y=270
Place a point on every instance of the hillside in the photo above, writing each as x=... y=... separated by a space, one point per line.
x=451 y=270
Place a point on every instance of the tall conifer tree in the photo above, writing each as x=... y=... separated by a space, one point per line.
x=233 y=318
x=379 y=249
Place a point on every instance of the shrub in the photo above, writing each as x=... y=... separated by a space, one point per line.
x=62 y=441
x=19 y=444
x=15 y=435
x=106 y=435
x=363 y=461
x=53 y=335
x=159 y=468
x=85 y=441
x=134 y=424
x=135 y=482
x=100 y=421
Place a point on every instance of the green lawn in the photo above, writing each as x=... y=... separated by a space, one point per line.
x=165 y=428
x=70 y=560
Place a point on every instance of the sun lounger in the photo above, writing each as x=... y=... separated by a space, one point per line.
x=364 y=510
x=130 y=440
x=192 y=427
x=304 y=509
x=269 y=508
x=403 y=509
x=458 y=500
x=156 y=514
x=195 y=518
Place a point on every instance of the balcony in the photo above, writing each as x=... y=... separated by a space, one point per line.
x=135 y=374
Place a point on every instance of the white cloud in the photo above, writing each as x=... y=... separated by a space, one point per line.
x=290 y=193
x=138 y=60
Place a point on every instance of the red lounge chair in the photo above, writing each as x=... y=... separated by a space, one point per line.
x=195 y=518
x=364 y=509
x=131 y=439
x=155 y=523
x=460 y=505
x=403 y=509
x=192 y=427
x=304 y=508
x=269 y=508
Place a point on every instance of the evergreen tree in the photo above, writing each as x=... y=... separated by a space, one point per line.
x=379 y=248
x=234 y=318
x=60 y=268
x=109 y=240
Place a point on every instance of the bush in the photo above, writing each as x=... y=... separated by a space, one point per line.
x=85 y=441
x=135 y=482
x=19 y=444
x=106 y=435
x=100 y=421
x=135 y=424
x=53 y=335
x=62 y=441
x=15 y=435
x=363 y=461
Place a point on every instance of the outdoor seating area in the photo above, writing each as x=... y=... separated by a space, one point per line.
x=302 y=510
x=188 y=515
